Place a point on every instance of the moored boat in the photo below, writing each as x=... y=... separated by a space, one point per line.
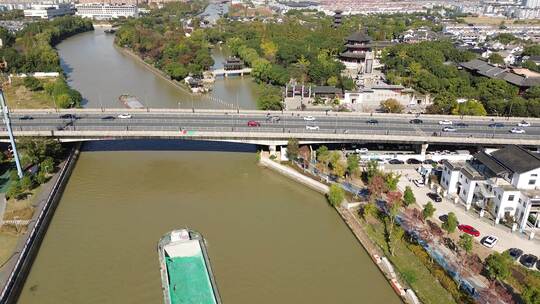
x=130 y=102
x=186 y=275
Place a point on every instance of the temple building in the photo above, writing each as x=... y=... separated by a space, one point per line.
x=360 y=52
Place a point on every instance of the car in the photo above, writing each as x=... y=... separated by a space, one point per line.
x=524 y=123
x=489 y=241
x=449 y=129
x=416 y=121
x=361 y=150
x=309 y=118
x=309 y=127
x=528 y=260
x=253 y=123
x=108 y=118
x=445 y=122
x=418 y=182
x=26 y=117
x=515 y=253
x=124 y=116
x=69 y=116
x=275 y=118
x=396 y=162
x=413 y=161
x=496 y=125
x=435 y=197
x=461 y=125
x=517 y=131
x=443 y=218
x=429 y=162
x=372 y=121
x=469 y=230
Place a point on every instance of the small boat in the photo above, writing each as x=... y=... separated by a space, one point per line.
x=110 y=31
x=130 y=102
x=186 y=275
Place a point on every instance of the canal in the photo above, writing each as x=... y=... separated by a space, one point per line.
x=270 y=240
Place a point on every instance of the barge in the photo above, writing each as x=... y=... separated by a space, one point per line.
x=186 y=275
x=130 y=102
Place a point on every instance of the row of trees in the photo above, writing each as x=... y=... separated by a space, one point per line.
x=62 y=95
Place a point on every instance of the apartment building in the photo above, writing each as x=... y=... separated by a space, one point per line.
x=49 y=11
x=102 y=11
x=504 y=182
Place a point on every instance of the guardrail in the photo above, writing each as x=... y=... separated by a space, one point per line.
x=10 y=291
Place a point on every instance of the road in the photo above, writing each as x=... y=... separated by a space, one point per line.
x=294 y=123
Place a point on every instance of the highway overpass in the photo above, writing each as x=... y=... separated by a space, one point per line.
x=232 y=125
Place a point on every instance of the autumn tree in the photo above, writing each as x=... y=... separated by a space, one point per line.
x=292 y=148
x=391 y=105
x=376 y=187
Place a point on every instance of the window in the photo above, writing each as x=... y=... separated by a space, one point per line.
x=511 y=198
x=499 y=196
x=532 y=182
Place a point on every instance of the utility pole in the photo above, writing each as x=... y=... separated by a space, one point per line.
x=5 y=112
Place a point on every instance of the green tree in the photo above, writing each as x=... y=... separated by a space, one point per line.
x=428 y=210
x=532 y=92
x=269 y=98
x=391 y=105
x=27 y=183
x=470 y=107
x=292 y=148
x=531 y=295
x=32 y=83
x=369 y=209
x=531 y=50
x=47 y=165
x=15 y=190
x=496 y=58
x=498 y=265
x=352 y=164
x=466 y=242
x=335 y=195
x=392 y=180
x=372 y=169
x=451 y=224
x=408 y=197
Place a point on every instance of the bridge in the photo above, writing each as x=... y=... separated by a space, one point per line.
x=227 y=73
x=269 y=128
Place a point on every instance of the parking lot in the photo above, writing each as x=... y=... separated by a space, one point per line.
x=507 y=238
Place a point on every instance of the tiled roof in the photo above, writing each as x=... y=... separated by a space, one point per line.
x=517 y=159
x=488 y=70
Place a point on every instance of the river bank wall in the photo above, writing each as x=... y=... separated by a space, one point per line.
x=28 y=246
x=406 y=295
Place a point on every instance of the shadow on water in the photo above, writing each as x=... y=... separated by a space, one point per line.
x=66 y=68
x=166 y=145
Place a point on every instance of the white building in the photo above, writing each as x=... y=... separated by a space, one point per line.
x=531 y=3
x=101 y=11
x=49 y=11
x=504 y=183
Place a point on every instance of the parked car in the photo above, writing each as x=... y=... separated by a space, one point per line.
x=309 y=118
x=26 y=117
x=396 y=162
x=429 y=162
x=524 y=123
x=517 y=130
x=515 y=253
x=528 y=260
x=444 y=218
x=418 y=182
x=496 y=125
x=445 y=122
x=435 y=197
x=416 y=121
x=253 y=123
x=309 y=127
x=461 y=125
x=413 y=161
x=469 y=230
x=489 y=241
x=124 y=116
x=372 y=121
x=449 y=129
x=361 y=150
x=69 y=116
x=108 y=118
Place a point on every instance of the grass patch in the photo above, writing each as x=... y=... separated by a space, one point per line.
x=8 y=241
x=411 y=268
x=20 y=97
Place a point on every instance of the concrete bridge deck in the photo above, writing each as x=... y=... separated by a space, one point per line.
x=95 y=124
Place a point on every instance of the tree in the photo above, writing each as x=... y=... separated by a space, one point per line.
x=532 y=92
x=391 y=105
x=392 y=180
x=305 y=153
x=339 y=169
x=531 y=295
x=27 y=183
x=15 y=190
x=32 y=83
x=466 y=242
x=498 y=265
x=428 y=210
x=352 y=164
x=408 y=197
x=47 y=165
x=451 y=224
x=292 y=148
x=335 y=195
x=470 y=107
x=369 y=209
x=376 y=187
x=496 y=58
x=269 y=98
x=372 y=169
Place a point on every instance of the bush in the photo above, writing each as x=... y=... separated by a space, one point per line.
x=32 y=83
x=336 y=195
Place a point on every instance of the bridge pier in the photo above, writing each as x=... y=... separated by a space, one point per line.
x=423 y=149
x=272 y=149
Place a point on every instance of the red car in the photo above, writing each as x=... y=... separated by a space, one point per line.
x=469 y=230
x=253 y=123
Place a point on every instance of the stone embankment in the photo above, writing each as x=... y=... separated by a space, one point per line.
x=352 y=222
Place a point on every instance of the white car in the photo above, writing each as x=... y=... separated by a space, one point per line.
x=524 y=123
x=517 y=131
x=362 y=150
x=124 y=115
x=490 y=241
x=419 y=182
x=449 y=129
x=445 y=122
x=308 y=127
x=309 y=118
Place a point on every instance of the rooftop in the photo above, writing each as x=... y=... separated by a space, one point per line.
x=517 y=159
x=359 y=37
x=518 y=77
